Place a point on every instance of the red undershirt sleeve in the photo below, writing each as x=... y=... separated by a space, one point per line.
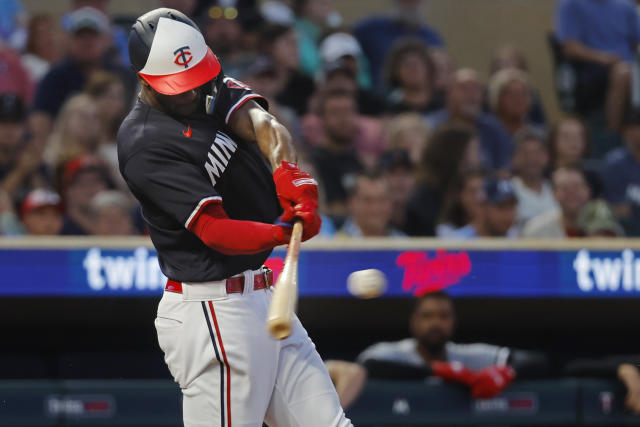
x=236 y=237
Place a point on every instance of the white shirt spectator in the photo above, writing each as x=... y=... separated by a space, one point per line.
x=532 y=203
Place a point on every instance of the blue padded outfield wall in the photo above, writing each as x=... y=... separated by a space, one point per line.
x=495 y=270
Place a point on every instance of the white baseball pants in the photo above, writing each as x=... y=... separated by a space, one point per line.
x=232 y=372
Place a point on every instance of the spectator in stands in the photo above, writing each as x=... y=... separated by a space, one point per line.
x=533 y=190
x=569 y=146
x=13 y=31
x=409 y=73
x=596 y=220
x=484 y=368
x=336 y=160
x=341 y=74
x=344 y=47
x=445 y=68
x=76 y=132
x=510 y=99
x=496 y=215
x=602 y=36
x=14 y=77
x=107 y=92
x=83 y=178
x=224 y=34
x=88 y=45
x=10 y=224
x=370 y=208
x=464 y=204
x=508 y=56
x=464 y=103
x=280 y=43
x=41 y=213
x=261 y=75
x=43 y=46
x=20 y=162
x=571 y=192
x=450 y=151
x=377 y=34
x=313 y=19
x=620 y=175
x=408 y=132
x=111 y=211
x=399 y=171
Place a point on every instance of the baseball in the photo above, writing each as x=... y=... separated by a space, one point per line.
x=367 y=284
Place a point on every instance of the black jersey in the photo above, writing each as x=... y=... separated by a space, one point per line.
x=176 y=167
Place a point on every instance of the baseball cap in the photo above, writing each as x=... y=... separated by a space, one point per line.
x=499 y=191
x=88 y=18
x=168 y=51
x=11 y=108
x=337 y=45
x=40 y=198
x=596 y=217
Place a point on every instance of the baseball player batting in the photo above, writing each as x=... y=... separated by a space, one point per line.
x=197 y=150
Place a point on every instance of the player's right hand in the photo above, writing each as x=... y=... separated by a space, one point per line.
x=294 y=187
x=311 y=221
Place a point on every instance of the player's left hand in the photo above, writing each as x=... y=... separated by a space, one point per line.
x=294 y=187
x=311 y=221
x=490 y=381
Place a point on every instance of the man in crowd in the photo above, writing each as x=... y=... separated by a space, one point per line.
x=602 y=36
x=370 y=208
x=464 y=104
x=89 y=42
x=112 y=214
x=621 y=178
x=497 y=216
x=377 y=34
x=571 y=192
x=84 y=177
x=336 y=160
x=530 y=160
x=485 y=369
x=41 y=213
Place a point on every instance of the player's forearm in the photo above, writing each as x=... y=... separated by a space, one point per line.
x=236 y=237
x=273 y=139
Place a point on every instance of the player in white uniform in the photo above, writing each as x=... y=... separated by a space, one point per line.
x=198 y=150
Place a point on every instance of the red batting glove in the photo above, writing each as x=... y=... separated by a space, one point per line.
x=454 y=372
x=311 y=221
x=294 y=187
x=490 y=381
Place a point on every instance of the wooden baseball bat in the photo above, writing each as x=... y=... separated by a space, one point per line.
x=285 y=296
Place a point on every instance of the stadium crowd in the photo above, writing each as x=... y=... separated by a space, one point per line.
x=403 y=142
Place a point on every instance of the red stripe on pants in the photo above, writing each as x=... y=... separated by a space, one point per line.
x=224 y=357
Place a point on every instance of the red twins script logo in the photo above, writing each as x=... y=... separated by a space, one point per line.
x=183 y=56
x=432 y=274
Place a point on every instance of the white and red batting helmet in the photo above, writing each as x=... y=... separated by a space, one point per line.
x=168 y=51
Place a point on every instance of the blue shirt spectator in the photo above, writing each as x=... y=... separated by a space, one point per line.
x=611 y=26
x=621 y=178
x=377 y=34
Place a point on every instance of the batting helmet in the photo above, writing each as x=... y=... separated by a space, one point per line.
x=168 y=51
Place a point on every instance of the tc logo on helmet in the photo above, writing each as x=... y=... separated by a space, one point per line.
x=183 y=56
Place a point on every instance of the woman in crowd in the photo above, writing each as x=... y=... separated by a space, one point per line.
x=280 y=43
x=510 y=99
x=76 y=132
x=410 y=74
x=43 y=46
x=408 y=132
x=107 y=91
x=462 y=205
x=451 y=150
x=569 y=147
